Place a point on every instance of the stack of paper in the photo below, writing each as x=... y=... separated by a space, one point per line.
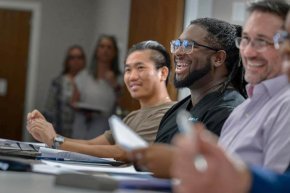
x=95 y=168
x=73 y=156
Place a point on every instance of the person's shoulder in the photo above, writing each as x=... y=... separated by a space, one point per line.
x=165 y=106
x=83 y=73
x=160 y=110
x=281 y=99
x=173 y=109
x=132 y=113
x=57 y=80
x=83 y=76
x=286 y=93
x=233 y=94
x=224 y=105
x=180 y=103
x=154 y=110
x=231 y=98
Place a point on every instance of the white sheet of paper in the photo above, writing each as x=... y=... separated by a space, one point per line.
x=49 y=169
x=94 y=168
x=56 y=153
x=124 y=136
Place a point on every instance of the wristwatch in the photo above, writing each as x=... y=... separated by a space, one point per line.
x=57 y=141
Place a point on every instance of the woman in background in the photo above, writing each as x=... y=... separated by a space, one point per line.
x=58 y=109
x=97 y=90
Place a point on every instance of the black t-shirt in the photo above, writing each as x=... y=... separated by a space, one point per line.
x=212 y=110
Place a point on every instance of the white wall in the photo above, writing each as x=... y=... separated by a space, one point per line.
x=67 y=22
x=113 y=17
x=64 y=23
x=219 y=7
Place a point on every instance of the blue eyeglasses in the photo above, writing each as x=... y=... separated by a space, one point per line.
x=280 y=37
x=186 y=46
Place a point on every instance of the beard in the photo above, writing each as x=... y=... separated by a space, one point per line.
x=192 y=77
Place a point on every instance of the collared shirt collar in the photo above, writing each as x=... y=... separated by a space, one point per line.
x=271 y=86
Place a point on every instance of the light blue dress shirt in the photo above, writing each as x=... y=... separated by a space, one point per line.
x=258 y=130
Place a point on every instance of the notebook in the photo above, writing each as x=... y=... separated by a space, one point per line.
x=73 y=157
x=18 y=148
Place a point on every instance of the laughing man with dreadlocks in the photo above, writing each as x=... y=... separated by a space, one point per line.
x=208 y=63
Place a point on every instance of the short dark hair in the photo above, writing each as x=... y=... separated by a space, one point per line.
x=160 y=56
x=276 y=7
x=221 y=36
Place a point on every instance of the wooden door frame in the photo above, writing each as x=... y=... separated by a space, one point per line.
x=33 y=50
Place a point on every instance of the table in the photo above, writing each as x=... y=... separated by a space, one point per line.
x=27 y=182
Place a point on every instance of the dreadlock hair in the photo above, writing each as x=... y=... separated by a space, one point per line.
x=221 y=36
x=275 y=7
x=160 y=56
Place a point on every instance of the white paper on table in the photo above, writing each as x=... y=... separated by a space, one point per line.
x=94 y=168
x=56 y=153
x=124 y=136
x=48 y=169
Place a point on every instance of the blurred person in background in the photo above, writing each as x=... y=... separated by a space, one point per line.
x=97 y=90
x=58 y=108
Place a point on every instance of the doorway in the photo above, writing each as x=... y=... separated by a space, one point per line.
x=14 y=40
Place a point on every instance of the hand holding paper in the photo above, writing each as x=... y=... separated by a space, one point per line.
x=124 y=136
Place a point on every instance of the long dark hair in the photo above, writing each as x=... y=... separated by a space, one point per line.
x=222 y=36
x=115 y=62
x=67 y=58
